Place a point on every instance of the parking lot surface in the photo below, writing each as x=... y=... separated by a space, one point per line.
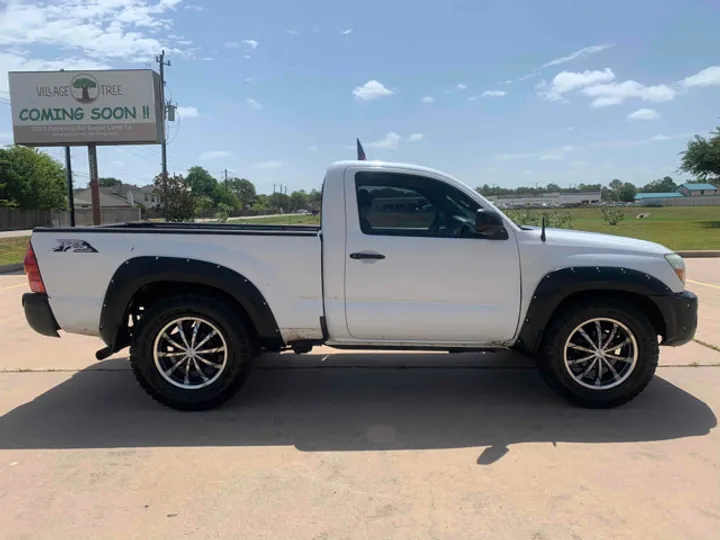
x=352 y=445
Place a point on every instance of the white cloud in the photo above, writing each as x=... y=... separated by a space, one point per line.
x=117 y=163
x=232 y=45
x=188 y=112
x=582 y=53
x=347 y=31
x=568 y=81
x=371 y=90
x=644 y=114
x=428 y=99
x=254 y=104
x=569 y=128
x=247 y=57
x=528 y=76
x=551 y=157
x=214 y=154
x=17 y=60
x=415 y=137
x=389 y=142
x=616 y=93
x=254 y=44
x=193 y=7
x=292 y=32
x=461 y=86
x=493 y=93
x=312 y=148
x=99 y=30
x=707 y=77
x=660 y=137
x=268 y=165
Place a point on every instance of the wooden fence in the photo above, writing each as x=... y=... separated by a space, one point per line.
x=19 y=219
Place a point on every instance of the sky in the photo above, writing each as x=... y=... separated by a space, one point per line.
x=506 y=92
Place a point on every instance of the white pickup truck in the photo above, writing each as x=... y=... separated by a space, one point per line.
x=405 y=258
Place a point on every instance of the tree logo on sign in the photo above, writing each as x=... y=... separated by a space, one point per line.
x=84 y=88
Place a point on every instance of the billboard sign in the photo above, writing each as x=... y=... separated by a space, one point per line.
x=66 y=108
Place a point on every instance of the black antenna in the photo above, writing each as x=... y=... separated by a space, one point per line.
x=542 y=233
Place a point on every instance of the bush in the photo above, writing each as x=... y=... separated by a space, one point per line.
x=612 y=215
x=553 y=218
x=223 y=213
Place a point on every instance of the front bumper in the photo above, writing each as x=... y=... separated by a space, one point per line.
x=39 y=315
x=680 y=311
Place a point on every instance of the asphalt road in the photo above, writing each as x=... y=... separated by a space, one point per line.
x=333 y=446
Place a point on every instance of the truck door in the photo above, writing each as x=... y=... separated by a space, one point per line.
x=415 y=269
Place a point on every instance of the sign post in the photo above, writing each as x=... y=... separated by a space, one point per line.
x=94 y=188
x=69 y=180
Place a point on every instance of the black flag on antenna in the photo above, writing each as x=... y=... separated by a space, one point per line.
x=360 y=151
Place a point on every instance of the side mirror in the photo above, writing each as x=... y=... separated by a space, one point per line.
x=490 y=225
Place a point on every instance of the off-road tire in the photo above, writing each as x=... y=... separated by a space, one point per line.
x=551 y=362
x=235 y=333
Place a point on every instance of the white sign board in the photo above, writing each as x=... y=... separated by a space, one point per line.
x=65 y=108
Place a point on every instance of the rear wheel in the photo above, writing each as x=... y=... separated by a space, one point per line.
x=191 y=352
x=599 y=354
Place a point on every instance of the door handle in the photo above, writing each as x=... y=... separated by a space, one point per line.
x=361 y=256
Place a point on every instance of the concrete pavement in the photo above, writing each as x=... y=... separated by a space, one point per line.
x=345 y=445
x=13 y=234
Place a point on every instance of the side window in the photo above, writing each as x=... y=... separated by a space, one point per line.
x=393 y=204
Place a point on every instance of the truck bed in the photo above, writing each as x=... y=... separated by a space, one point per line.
x=283 y=262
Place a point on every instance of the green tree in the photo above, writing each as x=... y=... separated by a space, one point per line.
x=702 y=157
x=177 y=198
x=31 y=179
x=245 y=191
x=615 y=186
x=109 y=181
x=661 y=185
x=202 y=183
x=300 y=200
x=261 y=203
x=226 y=197
x=315 y=199
x=279 y=202
x=84 y=83
x=627 y=192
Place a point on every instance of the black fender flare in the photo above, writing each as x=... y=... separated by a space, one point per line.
x=558 y=285
x=139 y=272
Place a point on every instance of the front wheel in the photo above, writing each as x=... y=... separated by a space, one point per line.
x=599 y=354
x=191 y=352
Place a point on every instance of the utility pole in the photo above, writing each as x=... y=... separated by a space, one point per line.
x=71 y=191
x=226 y=180
x=161 y=60
x=94 y=189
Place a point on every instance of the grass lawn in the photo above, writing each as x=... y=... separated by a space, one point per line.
x=680 y=227
x=288 y=219
x=12 y=250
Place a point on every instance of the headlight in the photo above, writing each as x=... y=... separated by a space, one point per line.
x=678 y=264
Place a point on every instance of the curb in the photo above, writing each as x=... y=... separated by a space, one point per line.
x=699 y=253
x=8 y=268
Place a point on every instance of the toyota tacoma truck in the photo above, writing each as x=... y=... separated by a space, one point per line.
x=405 y=257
